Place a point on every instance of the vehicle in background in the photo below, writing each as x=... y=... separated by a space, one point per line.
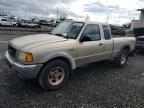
x=140 y=43
x=7 y=22
x=130 y=33
x=139 y=34
x=54 y=23
x=51 y=23
x=28 y=24
x=44 y=22
x=117 y=31
x=50 y=58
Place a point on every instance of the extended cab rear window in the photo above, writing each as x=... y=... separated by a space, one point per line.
x=106 y=30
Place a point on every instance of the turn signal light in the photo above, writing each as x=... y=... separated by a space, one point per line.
x=28 y=57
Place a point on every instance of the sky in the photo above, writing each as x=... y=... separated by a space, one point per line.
x=112 y=11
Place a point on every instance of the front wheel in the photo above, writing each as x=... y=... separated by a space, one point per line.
x=121 y=59
x=54 y=75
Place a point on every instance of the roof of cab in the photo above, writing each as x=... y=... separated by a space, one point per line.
x=93 y=22
x=90 y=22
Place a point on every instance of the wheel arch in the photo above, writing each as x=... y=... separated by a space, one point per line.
x=126 y=47
x=61 y=55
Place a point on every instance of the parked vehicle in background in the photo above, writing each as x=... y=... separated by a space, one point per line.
x=44 y=22
x=14 y=23
x=118 y=31
x=140 y=43
x=139 y=34
x=7 y=22
x=54 y=23
x=130 y=33
x=28 y=24
x=50 y=58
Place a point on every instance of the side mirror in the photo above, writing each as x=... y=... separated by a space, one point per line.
x=84 y=38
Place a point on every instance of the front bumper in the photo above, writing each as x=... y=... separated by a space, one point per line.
x=139 y=47
x=24 y=71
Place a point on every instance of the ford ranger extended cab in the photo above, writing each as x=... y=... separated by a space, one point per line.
x=50 y=58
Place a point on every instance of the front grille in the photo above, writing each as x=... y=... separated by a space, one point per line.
x=12 y=51
x=140 y=42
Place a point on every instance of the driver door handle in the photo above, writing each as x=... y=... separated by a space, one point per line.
x=100 y=44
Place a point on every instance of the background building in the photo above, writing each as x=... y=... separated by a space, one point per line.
x=141 y=20
x=134 y=24
x=139 y=27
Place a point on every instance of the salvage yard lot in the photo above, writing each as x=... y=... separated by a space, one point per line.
x=95 y=85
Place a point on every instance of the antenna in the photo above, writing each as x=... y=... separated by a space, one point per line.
x=9 y=13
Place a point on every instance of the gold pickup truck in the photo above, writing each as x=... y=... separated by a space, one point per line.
x=50 y=58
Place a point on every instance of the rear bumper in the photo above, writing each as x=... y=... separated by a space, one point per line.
x=24 y=71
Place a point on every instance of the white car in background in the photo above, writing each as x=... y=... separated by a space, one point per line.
x=7 y=22
x=29 y=24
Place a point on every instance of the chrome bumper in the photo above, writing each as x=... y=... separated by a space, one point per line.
x=24 y=71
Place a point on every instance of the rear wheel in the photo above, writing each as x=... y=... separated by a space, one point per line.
x=121 y=59
x=54 y=75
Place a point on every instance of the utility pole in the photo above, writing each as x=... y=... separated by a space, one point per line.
x=9 y=13
x=107 y=20
x=58 y=3
x=57 y=12
x=25 y=13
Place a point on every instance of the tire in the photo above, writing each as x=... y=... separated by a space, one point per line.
x=52 y=71
x=121 y=59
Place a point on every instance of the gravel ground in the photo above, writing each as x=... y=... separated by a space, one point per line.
x=96 y=85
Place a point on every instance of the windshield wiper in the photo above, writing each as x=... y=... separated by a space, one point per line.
x=50 y=33
x=61 y=35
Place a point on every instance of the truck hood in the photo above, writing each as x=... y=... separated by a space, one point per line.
x=30 y=41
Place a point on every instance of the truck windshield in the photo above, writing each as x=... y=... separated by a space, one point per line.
x=68 y=29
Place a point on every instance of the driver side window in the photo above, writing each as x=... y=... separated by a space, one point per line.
x=92 y=31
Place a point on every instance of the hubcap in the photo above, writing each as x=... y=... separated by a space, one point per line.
x=123 y=59
x=56 y=76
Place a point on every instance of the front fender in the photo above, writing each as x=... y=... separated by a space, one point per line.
x=60 y=54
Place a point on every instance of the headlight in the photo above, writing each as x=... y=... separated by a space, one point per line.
x=26 y=57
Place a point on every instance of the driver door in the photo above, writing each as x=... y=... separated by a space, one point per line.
x=92 y=49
